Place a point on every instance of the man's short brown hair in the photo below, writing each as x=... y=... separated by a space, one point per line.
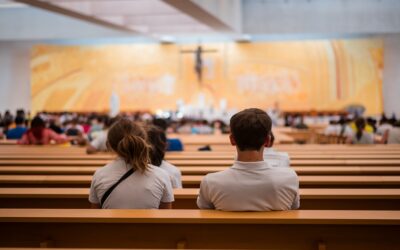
x=250 y=128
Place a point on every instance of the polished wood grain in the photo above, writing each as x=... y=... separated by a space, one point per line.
x=194 y=181
x=304 y=170
x=200 y=229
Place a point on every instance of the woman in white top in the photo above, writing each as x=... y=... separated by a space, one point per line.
x=134 y=183
x=158 y=140
x=361 y=136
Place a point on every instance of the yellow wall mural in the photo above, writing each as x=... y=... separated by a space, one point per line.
x=302 y=75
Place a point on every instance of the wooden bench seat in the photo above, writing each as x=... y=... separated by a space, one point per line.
x=303 y=149
x=302 y=229
x=304 y=170
x=204 y=156
x=193 y=181
x=23 y=162
x=363 y=199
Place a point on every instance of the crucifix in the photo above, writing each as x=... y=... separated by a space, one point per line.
x=198 y=68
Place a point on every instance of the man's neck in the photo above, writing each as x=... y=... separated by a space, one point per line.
x=250 y=156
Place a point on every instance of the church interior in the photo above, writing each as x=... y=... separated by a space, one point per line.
x=217 y=124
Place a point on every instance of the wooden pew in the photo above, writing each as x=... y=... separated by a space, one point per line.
x=193 y=181
x=374 y=147
x=203 y=156
x=308 y=148
x=361 y=199
x=302 y=229
x=370 y=162
x=304 y=170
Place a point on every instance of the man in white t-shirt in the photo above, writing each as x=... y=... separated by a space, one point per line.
x=99 y=144
x=251 y=184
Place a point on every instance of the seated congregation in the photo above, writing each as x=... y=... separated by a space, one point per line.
x=133 y=180
x=137 y=182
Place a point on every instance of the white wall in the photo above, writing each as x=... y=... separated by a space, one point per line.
x=321 y=17
x=391 y=75
x=15 y=76
x=228 y=11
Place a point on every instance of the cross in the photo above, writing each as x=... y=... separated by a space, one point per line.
x=198 y=68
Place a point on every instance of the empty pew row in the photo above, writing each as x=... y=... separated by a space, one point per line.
x=305 y=170
x=222 y=163
x=306 y=229
x=193 y=181
x=362 y=199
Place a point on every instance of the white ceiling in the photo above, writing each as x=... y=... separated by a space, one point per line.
x=195 y=20
x=149 y=17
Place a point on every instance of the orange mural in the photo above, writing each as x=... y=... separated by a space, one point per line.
x=301 y=75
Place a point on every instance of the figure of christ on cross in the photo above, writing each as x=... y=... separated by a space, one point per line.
x=199 y=61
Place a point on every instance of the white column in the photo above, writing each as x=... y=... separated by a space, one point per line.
x=391 y=75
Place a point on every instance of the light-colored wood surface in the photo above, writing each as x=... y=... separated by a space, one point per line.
x=197 y=229
x=304 y=170
x=191 y=193
x=203 y=156
x=200 y=140
x=311 y=199
x=201 y=216
x=372 y=162
x=188 y=180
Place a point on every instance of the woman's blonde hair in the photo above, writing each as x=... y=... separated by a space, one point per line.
x=129 y=141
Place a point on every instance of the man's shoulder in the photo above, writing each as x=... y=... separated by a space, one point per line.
x=287 y=173
x=218 y=176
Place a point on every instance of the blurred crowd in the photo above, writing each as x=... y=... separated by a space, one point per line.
x=360 y=130
x=91 y=128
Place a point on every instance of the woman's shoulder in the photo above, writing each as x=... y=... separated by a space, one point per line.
x=114 y=166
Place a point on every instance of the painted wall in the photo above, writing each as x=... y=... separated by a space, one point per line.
x=15 y=75
x=15 y=91
x=321 y=75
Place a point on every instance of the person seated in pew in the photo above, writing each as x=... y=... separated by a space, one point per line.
x=384 y=126
x=96 y=126
x=158 y=141
x=98 y=144
x=345 y=129
x=333 y=128
x=251 y=184
x=392 y=136
x=173 y=144
x=273 y=157
x=130 y=181
x=18 y=131
x=361 y=136
x=74 y=128
x=38 y=134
